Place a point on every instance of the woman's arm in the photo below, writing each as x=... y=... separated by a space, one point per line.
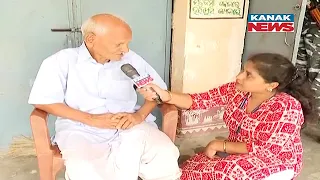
x=215 y=97
x=181 y=100
x=230 y=147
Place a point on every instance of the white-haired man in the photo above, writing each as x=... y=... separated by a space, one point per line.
x=100 y=132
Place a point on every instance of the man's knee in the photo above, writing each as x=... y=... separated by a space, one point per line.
x=163 y=149
x=169 y=150
x=77 y=169
x=85 y=162
x=164 y=157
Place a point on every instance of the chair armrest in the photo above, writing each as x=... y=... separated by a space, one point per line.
x=45 y=151
x=40 y=132
x=169 y=120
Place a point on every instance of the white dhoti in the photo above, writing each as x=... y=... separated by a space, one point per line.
x=142 y=151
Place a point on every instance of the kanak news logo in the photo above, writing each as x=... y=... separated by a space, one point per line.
x=270 y=23
x=142 y=80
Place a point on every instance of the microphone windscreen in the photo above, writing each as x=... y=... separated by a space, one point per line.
x=129 y=70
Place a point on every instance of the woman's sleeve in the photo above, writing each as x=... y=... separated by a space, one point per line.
x=219 y=96
x=282 y=124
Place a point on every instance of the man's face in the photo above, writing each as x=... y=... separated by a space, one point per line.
x=111 y=45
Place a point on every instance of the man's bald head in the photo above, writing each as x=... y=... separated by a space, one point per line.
x=106 y=36
x=103 y=23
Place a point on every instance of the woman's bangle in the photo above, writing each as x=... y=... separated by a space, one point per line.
x=225 y=146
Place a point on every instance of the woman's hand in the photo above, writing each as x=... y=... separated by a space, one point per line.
x=149 y=95
x=210 y=149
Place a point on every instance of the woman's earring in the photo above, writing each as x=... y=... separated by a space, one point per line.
x=269 y=89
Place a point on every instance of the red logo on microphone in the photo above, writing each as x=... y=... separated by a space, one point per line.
x=142 y=81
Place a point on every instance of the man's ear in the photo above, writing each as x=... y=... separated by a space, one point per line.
x=89 y=39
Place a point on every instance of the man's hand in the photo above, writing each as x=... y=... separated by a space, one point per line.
x=127 y=120
x=104 y=121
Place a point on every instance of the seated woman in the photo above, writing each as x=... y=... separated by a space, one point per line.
x=265 y=109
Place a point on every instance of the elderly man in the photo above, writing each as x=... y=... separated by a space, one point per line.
x=101 y=132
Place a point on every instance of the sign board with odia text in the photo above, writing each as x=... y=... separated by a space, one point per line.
x=216 y=9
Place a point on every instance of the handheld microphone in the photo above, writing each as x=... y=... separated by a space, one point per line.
x=139 y=81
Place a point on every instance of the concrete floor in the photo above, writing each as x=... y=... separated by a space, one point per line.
x=25 y=168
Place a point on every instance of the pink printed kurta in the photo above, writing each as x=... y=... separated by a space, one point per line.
x=272 y=134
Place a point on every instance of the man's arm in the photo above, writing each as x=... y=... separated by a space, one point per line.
x=127 y=120
x=146 y=109
x=48 y=93
x=64 y=111
x=48 y=90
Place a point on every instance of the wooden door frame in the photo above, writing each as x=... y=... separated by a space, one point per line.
x=168 y=44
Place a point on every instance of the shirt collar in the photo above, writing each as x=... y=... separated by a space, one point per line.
x=84 y=54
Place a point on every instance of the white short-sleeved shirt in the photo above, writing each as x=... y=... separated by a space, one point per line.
x=73 y=77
